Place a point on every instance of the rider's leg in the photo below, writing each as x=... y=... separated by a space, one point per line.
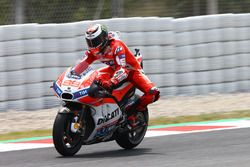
x=105 y=71
x=151 y=92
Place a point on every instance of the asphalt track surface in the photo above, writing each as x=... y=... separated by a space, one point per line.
x=226 y=148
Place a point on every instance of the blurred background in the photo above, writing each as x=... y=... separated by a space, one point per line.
x=189 y=47
x=62 y=11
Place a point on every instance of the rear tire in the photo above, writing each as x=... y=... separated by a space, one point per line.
x=66 y=142
x=132 y=138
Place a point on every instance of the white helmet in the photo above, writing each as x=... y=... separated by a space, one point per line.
x=97 y=37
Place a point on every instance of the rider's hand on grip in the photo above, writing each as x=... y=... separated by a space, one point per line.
x=104 y=84
x=108 y=85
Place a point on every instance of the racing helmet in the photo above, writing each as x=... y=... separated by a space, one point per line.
x=97 y=37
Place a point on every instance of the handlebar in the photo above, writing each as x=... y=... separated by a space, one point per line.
x=97 y=91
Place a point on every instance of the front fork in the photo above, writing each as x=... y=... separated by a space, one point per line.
x=78 y=122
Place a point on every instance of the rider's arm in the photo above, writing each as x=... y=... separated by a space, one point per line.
x=84 y=64
x=121 y=73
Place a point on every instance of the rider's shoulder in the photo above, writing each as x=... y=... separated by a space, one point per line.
x=117 y=45
x=116 y=42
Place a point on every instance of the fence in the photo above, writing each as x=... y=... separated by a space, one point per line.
x=195 y=55
x=63 y=11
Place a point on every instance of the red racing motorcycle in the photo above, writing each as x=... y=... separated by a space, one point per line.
x=90 y=114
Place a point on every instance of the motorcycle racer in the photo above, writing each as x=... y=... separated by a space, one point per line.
x=122 y=65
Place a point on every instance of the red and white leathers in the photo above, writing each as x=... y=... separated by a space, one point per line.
x=122 y=65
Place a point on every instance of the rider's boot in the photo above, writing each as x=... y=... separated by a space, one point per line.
x=135 y=106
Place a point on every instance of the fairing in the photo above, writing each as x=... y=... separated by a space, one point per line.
x=105 y=111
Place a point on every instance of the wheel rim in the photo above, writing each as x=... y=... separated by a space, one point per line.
x=70 y=140
x=136 y=135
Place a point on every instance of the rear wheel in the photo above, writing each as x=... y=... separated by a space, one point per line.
x=66 y=142
x=135 y=135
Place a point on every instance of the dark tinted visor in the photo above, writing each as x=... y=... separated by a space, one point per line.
x=93 y=43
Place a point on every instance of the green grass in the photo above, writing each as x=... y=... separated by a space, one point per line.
x=156 y=121
x=25 y=134
x=200 y=118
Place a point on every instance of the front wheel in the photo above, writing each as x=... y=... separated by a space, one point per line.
x=66 y=142
x=134 y=137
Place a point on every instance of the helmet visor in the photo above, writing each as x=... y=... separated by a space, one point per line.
x=94 y=43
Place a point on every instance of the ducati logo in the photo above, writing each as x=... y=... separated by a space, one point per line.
x=108 y=117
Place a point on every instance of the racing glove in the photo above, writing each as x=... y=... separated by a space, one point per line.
x=108 y=85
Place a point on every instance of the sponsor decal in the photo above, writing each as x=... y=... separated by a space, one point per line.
x=118 y=49
x=108 y=117
x=74 y=76
x=120 y=75
x=122 y=56
x=103 y=131
x=121 y=60
x=80 y=93
x=87 y=71
x=57 y=89
x=72 y=83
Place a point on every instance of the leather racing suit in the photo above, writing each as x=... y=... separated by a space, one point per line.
x=122 y=65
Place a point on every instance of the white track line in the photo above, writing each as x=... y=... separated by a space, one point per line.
x=150 y=133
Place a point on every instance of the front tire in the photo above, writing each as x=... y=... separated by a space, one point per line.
x=66 y=142
x=133 y=137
